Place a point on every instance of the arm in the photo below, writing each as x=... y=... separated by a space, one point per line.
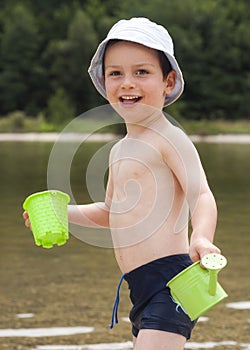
x=89 y=215
x=183 y=159
x=204 y=220
x=93 y=214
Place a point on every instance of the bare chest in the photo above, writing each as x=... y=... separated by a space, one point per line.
x=137 y=160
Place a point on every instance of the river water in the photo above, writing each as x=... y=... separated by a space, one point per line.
x=74 y=285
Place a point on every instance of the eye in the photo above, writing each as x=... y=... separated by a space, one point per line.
x=142 y=72
x=114 y=73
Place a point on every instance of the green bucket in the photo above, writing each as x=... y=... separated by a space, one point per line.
x=196 y=289
x=48 y=216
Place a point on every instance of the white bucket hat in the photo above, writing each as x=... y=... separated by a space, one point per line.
x=142 y=31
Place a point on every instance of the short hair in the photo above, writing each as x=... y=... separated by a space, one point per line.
x=164 y=64
x=163 y=60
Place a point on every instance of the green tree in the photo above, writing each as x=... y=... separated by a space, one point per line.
x=70 y=59
x=214 y=68
x=20 y=76
x=59 y=108
x=47 y=45
x=102 y=14
x=212 y=46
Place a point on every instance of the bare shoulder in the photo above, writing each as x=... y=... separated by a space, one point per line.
x=115 y=150
x=173 y=139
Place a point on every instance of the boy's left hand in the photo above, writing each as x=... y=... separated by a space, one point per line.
x=201 y=247
x=26 y=219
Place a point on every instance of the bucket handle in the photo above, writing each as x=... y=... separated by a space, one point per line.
x=213 y=263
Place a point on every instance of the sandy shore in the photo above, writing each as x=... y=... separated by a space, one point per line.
x=54 y=136
x=76 y=137
x=227 y=138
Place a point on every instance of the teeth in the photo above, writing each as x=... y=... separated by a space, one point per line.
x=129 y=97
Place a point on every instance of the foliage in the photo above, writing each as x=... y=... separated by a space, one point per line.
x=18 y=121
x=212 y=46
x=19 y=48
x=215 y=127
x=60 y=108
x=46 y=47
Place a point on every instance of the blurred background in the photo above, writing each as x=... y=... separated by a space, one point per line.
x=45 y=50
x=46 y=47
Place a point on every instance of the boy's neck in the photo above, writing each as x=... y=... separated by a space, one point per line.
x=134 y=129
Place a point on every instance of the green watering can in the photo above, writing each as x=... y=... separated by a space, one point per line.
x=197 y=289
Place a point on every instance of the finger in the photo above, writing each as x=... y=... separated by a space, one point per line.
x=218 y=251
x=194 y=256
x=25 y=215
x=212 y=250
x=27 y=223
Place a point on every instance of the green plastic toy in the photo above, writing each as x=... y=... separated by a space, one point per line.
x=48 y=216
x=197 y=289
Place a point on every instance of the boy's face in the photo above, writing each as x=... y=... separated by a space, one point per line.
x=133 y=77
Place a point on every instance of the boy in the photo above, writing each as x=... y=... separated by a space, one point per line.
x=155 y=180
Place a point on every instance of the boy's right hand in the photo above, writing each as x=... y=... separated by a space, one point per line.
x=26 y=219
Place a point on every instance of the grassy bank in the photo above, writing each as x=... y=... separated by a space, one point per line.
x=19 y=122
x=214 y=127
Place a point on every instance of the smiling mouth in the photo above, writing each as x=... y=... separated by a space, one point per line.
x=130 y=99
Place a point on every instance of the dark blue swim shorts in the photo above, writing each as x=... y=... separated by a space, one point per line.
x=153 y=306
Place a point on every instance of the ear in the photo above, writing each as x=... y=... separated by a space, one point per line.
x=170 y=82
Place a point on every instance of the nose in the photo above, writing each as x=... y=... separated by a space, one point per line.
x=128 y=82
